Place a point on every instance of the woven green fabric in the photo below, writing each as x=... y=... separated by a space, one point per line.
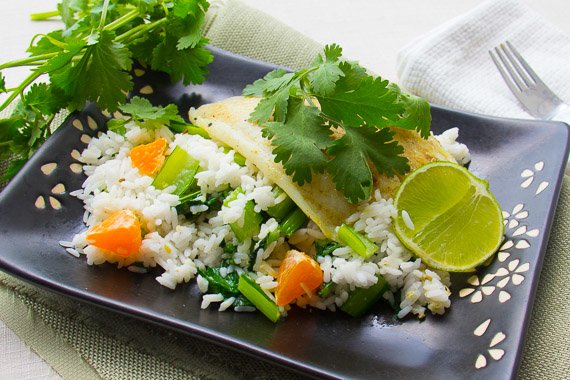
x=81 y=341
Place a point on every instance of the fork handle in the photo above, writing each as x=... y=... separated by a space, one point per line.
x=562 y=113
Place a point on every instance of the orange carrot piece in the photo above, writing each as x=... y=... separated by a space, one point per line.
x=298 y=273
x=120 y=234
x=148 y=158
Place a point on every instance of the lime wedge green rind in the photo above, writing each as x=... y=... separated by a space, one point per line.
x=457 y=223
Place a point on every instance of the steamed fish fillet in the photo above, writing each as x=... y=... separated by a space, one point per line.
x=227 y=122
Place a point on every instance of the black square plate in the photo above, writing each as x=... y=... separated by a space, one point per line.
x=481 y=335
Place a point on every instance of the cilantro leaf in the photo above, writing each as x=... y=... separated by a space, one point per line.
x=99 y=76
x=370 y=103
x=299 y=141
x=275 y=104
x=353 y=75
x=64 y=56
x=186 y=19
x=323 y=79
x=149 y=116
x=188 y=65
x=416 y=113
x=44 y=99
x=270 y=83
x=352 y=152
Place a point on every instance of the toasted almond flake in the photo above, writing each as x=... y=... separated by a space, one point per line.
x=501 y=284
x=496 y=353
x=518 y=208
x=539 y=165
x=488 y=290
x=482 y=328
x=488 y=277
x=526 y=183
x=77 y=124
x=504 y=296
x=477 y=297
x=513 y=223
x=518 y=279
x=75 y=154
x=58 y=189
x=54 y=203
x=508 y=244
x=465 y=292
x=48 y=168
x=543 y=185
x=91 y=123
x=523 y=268
x=146 y=90
x=481 y=362
x=503 y=256
x=40 y=202
x=473 y=280
x=139 y=72
x=85 y=139
x=498 y=338
x=76 y=168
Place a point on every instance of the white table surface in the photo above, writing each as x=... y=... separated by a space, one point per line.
x=369 y=31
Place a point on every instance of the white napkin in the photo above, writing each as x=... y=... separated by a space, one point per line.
x=451 y=66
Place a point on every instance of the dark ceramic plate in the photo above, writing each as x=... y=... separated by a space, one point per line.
x=480 y=336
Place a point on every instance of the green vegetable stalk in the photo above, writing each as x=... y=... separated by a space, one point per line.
x=90 y=59
x=249 y=288
x=179 y=170
x=358 y=242
x=361 y=299
x=250 y=223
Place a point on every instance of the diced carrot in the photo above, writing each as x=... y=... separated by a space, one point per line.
x=148 y=158
x=298 y=274
x=120 y=234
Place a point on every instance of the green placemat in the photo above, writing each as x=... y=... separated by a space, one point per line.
x=81 y=341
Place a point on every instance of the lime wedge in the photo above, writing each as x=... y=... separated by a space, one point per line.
x=448 y=217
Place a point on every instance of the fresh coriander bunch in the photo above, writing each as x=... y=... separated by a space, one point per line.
x=90 y=59
x=332 y=118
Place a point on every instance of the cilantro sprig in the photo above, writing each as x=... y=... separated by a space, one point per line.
x=90 y=59
x=332 y=117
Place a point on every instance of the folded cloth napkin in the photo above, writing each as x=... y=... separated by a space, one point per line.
x=81 y=341
x=451 y=66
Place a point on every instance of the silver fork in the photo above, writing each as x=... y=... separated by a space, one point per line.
x=536 y=98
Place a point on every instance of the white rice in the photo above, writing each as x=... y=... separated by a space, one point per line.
x=459 y=151
x=182 y=247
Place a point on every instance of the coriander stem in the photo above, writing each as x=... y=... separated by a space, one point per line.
x=19 y=89
x=41 y=16
x=103 y=15
x=139 y=30
x=25 y=61
x=121 y=21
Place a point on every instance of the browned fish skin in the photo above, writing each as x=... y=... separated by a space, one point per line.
x=319 y=200
x=418 y=151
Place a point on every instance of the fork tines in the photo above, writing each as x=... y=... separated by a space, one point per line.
x=520 y=74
